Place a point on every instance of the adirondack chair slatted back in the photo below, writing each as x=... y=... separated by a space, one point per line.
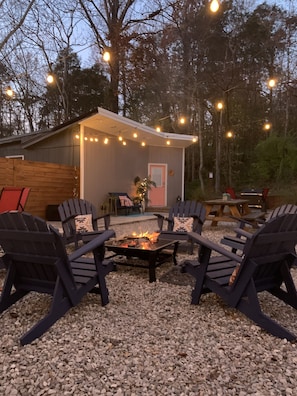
x=10 y=198
x=72 y=207
x=187 y=209
x=35 y=250
x=283 y=209
x=268 y=249
x=237 y=242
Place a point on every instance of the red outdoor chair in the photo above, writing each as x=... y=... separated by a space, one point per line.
x=24 y=198
x=231 y=192
x=13 y=198
x=10 y=198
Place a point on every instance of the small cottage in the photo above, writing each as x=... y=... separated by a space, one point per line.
x=110 y=151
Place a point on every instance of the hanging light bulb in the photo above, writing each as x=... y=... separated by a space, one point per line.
x=214 y=6
x=50 y=78
x=106 y=56
x=9 y=92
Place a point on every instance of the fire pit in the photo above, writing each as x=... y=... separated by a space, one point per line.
x=143 y=247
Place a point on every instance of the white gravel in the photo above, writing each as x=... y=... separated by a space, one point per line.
x=148 y=340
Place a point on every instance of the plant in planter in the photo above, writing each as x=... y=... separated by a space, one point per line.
x=142 y=188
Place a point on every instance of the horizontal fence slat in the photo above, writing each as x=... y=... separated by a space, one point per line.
x=50 y=183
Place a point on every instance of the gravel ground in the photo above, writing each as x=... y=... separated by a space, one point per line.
x=149 y=340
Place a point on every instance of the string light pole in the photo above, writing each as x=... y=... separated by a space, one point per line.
x=271 y=85
x=219 y=107
x=229 y=136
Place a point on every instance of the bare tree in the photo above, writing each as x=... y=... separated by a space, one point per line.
x=12 y=18
x=115 y=24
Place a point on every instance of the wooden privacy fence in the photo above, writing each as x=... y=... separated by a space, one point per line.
x=50 y=183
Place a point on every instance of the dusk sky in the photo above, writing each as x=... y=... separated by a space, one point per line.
x=280 y=3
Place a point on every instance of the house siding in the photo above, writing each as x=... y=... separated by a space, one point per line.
x=60 y=148
x=112 y=168
x=106 y=168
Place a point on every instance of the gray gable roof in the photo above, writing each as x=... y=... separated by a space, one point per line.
x=105 y=122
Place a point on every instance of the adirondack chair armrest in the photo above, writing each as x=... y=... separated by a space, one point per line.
x=240 y=232
x=161 y=219
x=242 y=222
x=200 y=240
x=93 y=244
x=106 y=218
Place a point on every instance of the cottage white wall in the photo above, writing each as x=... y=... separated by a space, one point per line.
x=112 y=168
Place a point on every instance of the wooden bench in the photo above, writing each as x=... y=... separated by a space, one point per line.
x=123 y=203
x=253 y=218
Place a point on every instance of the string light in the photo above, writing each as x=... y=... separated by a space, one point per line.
x=214 y=6
x=9 y=92
x=106 y=56
x=105 y=140
x=50 y=78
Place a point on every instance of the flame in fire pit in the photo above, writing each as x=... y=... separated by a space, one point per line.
x=152 y=237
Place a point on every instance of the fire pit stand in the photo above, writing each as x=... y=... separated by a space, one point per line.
x=143 y=249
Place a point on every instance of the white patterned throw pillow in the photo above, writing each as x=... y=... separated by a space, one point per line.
x=125 y=201
x=83 y=223
x=183 y=224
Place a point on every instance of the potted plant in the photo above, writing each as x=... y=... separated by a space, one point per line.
x=142 y=188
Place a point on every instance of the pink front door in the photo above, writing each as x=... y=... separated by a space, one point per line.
x=158 y=195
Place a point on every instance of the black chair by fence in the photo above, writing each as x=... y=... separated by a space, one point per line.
x=36 y=260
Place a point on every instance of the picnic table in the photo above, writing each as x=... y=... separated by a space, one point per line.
x=222 y=210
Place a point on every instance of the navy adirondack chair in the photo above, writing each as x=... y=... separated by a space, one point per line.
x=237 y=241
x=265 y=266
x=68 y=212
x=36 y=260
x=184 y=217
